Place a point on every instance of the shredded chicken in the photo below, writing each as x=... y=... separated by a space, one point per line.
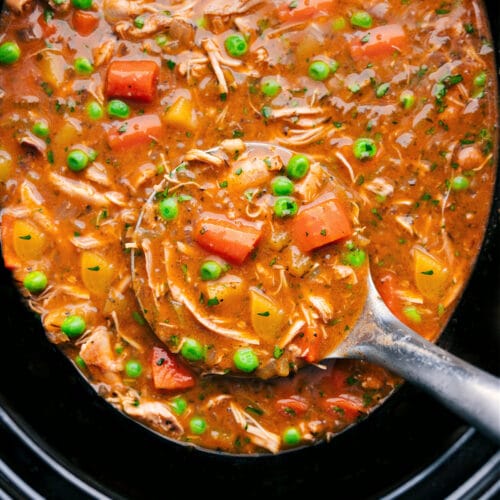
x=216 y=59
x=229 y=7
x=118 y=10
x=19 y=6
x=155 y=414
x=204 y=157
x=97 y=350
x=324 y=309
x=103 y=53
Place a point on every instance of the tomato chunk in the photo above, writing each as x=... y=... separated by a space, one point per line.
x=292 y=406
x=10 y=259
x=231 y=239
x=378 y=43
x=134 y=132
x=302 y=10
x=167 y=371
x=319 y=223
x=345 y=408
x=84 y=22
x=309 y=341
x=132 y=79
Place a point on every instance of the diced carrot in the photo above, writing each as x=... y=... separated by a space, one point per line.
x=10 y=259
x=321 y=222
x=132 y=79
x=134 y=132
x=84 y=22
x=308 y=340
x=292 y=406
x=168 y=372
x=231 y=239
x=345 y=408
x=302 y=10
x=378 y=43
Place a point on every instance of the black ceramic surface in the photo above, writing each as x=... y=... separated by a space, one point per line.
x=59 y=440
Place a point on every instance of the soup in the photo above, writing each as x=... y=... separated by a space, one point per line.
x=194 y=190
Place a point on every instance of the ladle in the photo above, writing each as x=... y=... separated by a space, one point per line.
x=379 y=337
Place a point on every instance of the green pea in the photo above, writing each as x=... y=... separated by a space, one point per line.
x=40 y=128
x=82 y=4
x=133 y=368
x=83 y=66
x=361 y=19
x=407 y=99
x=382 y=89
x=364 y=148
x=338 y=24
x=480 y=79
x=198 y=425
x=270 y=87
x=9 y=53
x=334 y=66
x=412 y=313
x=319 y=70
x=77 y=160
x=297 y=166
x=356 y=257
x=169 y=208
x=192 y=350
x=118 y=109
x=80 y=362
x=459 y=183
x=291 y=436
x=179 y=405
x=73 y=326
x=139 y=22
x=210 y=270
x=236 y=45
x=94 y=110
x=285 y=206
x=245 y=359
x=35 y=281
x=282 y=186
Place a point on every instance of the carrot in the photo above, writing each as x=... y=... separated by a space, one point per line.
x=302 y=10
x=134 y=132
x=168 y=373
x=346 y=409
x=132 y=79
x=292 y=406
x=10 y=258
x=379 y=42
x=321 y=222
x=84 y=22
x=231 y=239
x=308 y=341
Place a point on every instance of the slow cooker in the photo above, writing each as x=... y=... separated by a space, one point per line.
x=59 y=439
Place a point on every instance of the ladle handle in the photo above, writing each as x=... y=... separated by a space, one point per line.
x=469 y=392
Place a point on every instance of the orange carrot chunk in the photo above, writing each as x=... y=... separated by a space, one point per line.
x=309 y=341
x=134 y=132
x=10 y=259
x=168 y=373
x=319 y=223
x=302 y=10
x=84 y=22
x=231 y=239
x=378 y=43
x=132 y=79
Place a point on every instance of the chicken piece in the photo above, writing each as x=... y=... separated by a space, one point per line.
x=155 y=414
x=103 y=53
x=229 y=7
x=119 y=10
x=97 y=351
x=19 y=6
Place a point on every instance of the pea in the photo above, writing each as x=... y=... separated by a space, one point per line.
x=169 y=208
x=291 y=436
x=35 y=281
x=246 y=360
x=192 y=350
x=338 y=24
x=198 y=425
x=319 y=70
x=361 y=19
x=118 y=109
x=270 y=87
x=210 y=270
x=364 y=148
x=285 y=206
x=297 y=166
x=82 y=4
x=83 y=66
x=80 y=362
x=9 y=53
x=179 y=405
x=480 y=79
x=407 y=99
x=73 y=326
x=459 y=183
x=40 y=128
x=77 y=160
x=382 y=89
x=282 y=186
x=334 y=66
x=133 y=368
x=139 y=22
x=236 y=45
x=356 y=257
x=94 y=110
x=412 y=313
